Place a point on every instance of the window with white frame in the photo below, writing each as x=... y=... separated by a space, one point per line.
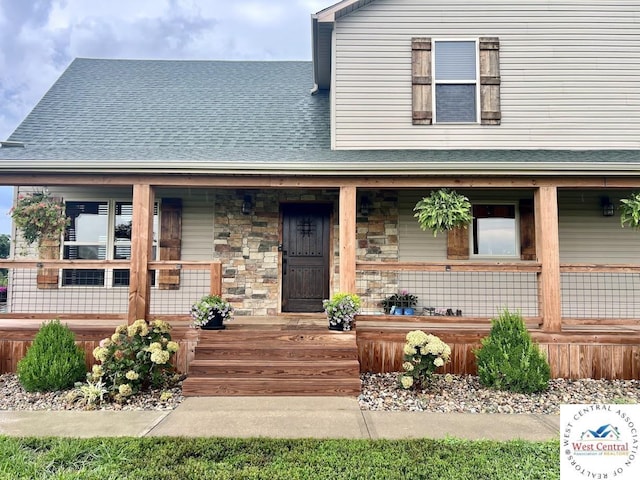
x=456 y=89
x=100 y=230
x=494 y=232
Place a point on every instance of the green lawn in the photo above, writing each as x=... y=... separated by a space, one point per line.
x=187 y=458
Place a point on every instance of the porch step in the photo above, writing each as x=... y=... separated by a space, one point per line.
x=290 y=368
x=274 y=360
x=270 y=386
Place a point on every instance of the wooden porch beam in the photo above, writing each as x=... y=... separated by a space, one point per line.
x=279 y=180
x=141 y=244
x=548 y=253
x=347 y=220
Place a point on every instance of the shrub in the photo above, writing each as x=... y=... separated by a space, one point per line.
x=134 y=358
x=423 y=353
x=53 y=362
x=509 y=359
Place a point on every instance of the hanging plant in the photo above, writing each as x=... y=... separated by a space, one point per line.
x=39 y=217
x=443 y=210
x=630 y=211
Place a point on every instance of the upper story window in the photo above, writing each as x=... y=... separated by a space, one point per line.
x=494 y=231
x=456 y=81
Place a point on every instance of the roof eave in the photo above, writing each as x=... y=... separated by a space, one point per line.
x=350 y=169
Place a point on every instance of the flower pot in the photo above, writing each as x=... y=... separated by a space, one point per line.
x=339 y=327
x=3 y=296
x=215 y=324
x=409 y=311
x=397 y=310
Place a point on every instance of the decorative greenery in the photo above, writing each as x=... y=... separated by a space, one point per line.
x=443 y=210
x=134 y=358
x=630 y=211
x=341 y=310
x=53 y=362
x=39 y=217
x=402 y=299
x=509 y=359
x=208 y=308
x=423 y=354
x=90 y=394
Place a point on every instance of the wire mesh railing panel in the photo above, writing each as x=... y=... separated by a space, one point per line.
x=601 y=295
x=459 y=293
x=25 y=295
x=194 y=284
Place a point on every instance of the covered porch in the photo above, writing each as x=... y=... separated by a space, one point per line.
x=584 y=314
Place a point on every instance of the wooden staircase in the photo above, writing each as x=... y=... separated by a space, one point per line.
x=274 y=360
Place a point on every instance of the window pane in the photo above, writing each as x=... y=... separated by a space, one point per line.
x=455 y=103
x=83 y=277
x=124 y=215
x=88 y=222
x=455 y=60
x=494 y=230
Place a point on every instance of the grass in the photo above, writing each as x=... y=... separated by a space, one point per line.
x=225 y=458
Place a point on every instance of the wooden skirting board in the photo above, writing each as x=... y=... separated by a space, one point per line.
x=579 y=351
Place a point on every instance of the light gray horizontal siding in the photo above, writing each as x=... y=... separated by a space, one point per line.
x=570 y=72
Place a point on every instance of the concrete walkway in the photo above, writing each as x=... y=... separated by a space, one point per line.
x=278 y=417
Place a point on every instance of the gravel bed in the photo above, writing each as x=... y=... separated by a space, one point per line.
x=456 y=393
x=14 y=397
x=446 y=393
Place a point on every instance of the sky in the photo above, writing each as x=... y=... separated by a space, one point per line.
x=39 y=38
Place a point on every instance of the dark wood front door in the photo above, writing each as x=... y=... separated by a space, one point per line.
x=305 y=256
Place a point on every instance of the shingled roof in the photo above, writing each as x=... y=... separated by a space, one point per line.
x=210 y=116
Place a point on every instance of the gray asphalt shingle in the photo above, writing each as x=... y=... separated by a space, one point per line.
x=212 y=113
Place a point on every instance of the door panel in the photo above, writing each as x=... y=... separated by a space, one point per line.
x=305 y=257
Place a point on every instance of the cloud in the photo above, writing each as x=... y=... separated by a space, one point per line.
x=39 y=38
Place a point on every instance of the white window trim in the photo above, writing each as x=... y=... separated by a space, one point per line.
x=475 y=82
x=516 y=255
x=111 y=240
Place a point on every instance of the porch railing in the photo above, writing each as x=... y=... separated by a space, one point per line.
x=590 y=294
x=29 y=297
x=461 y=289
x=600 y=294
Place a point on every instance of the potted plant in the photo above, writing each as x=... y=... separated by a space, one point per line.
x=3 y=294
x=630 y=211
x=402 y=303
x=40 y=218
x=210 y=312
x=443 y=210
x=341 y=310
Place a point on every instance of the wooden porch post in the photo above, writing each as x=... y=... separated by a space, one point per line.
x=548 y=253
x=141 y=244
x=347 y=219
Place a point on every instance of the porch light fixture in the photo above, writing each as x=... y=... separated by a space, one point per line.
x=608 y=209
x=365 y=205
x=246 y=205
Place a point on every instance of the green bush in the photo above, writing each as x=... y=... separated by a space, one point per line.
x=509 y=359
x=53 y=362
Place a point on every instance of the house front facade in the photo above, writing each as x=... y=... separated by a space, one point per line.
x=278 y=184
